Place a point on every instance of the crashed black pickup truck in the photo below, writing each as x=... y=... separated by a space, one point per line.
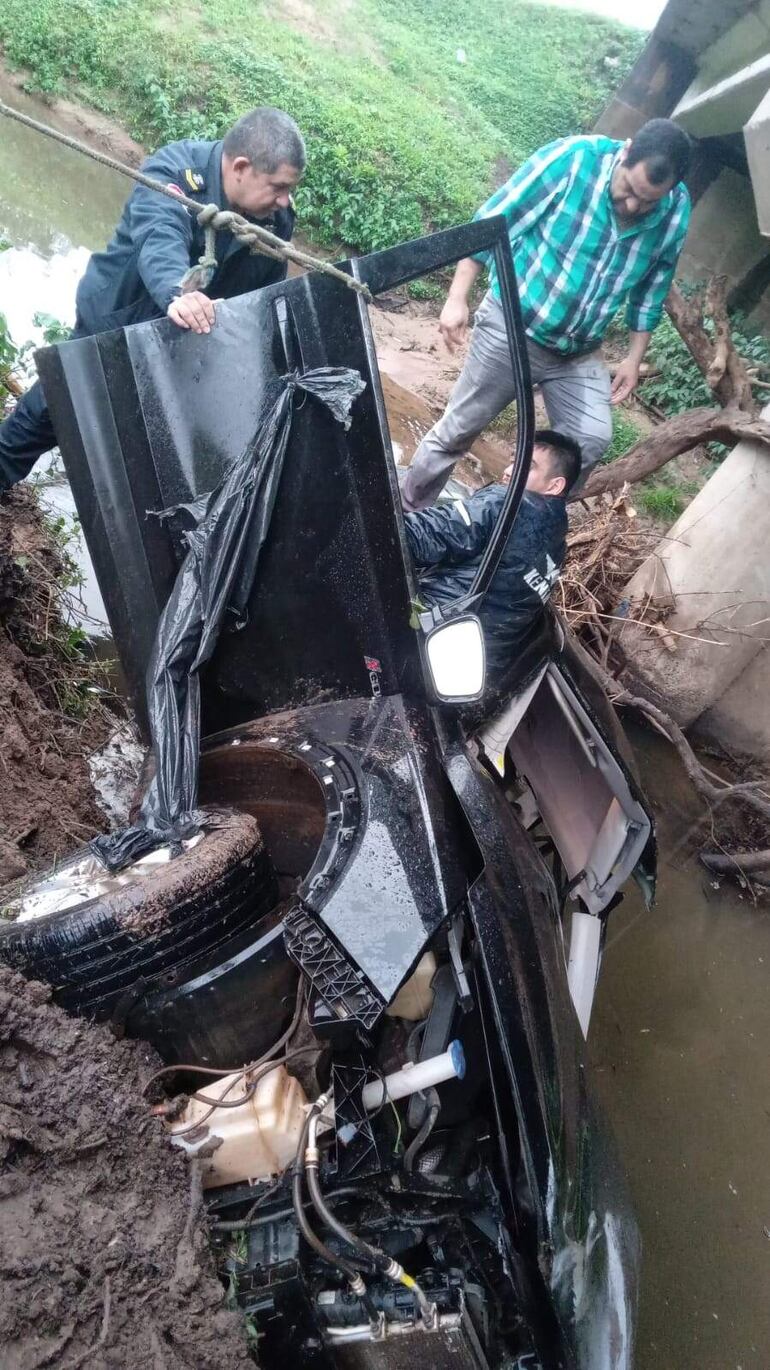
x=378 y=935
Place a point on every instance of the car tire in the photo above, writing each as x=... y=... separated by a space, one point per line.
x=143 y=933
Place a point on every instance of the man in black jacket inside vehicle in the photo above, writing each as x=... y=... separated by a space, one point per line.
x=448 y=541
x=142 y=272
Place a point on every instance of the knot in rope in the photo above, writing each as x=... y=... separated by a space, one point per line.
x=212 y=219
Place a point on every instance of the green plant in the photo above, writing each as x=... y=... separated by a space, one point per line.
x=504 y=425
x=680 y=385
x=625 y=433
x=666 y=497
x=9 y=355
x=54 y=331
x=402 y=138
x=64 y=534
x=427 y=289
x=13 y=356
x=660 y=501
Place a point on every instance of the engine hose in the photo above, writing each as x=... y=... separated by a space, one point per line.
x=423 y=1132
x=389 y=1267
x=352 y=1275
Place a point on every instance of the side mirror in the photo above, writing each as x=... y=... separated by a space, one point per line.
x=455 y=652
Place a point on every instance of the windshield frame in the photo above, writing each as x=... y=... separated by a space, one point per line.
x=383 y=271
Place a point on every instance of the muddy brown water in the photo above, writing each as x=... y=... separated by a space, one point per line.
x=682 y=1022
x=679 y=1044
x=57 y=207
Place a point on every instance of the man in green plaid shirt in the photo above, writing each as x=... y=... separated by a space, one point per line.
x=592 y=223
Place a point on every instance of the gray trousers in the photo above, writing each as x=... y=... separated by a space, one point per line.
x=576 y=393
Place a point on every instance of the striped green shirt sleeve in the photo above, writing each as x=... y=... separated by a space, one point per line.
x=644 y=307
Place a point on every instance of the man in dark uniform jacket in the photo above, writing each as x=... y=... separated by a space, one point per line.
x=448 y=541
x=253 y=170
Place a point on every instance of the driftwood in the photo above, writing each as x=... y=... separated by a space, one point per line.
x=747 y=862
x=671 y=439
x=727 y=375
x=606 y=543
x=716 y=358
x=751 y=792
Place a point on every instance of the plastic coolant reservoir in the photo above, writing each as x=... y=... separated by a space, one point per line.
x=256 y=1140
x=415 y=997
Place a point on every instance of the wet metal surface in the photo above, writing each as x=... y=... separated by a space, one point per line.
x=679 y=1042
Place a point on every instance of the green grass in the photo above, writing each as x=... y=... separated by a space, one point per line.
x=625 y=433
x=402 y=136
x=666 y=498
x=660 y=501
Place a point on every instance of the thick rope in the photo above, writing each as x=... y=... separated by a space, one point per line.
x=211 y=217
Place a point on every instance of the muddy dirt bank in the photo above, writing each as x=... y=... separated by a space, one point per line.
x=47 y=725
x=67 y=116
x=105 y=1261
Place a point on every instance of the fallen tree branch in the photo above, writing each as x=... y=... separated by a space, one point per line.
x=745 y=861
x=718 y=365
x=716 y=358
x=749 y=792
x=687 y=318
x=727 y=363
x=674 y=437
x=715 y=791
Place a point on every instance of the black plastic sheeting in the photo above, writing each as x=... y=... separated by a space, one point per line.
x=229 y=529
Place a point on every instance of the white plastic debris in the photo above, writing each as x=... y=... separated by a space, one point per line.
x=114 y=771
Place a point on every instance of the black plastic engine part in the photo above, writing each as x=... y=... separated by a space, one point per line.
x=340 y=1308
x=356 y=1153
x=329 y=970
x=346 y=1033
x=230 y=1006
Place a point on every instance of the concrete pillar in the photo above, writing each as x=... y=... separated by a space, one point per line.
x=714 y=566
x=757 y=138
x=655 y=83
x=740 y=721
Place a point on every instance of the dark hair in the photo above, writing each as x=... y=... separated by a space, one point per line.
x=268 y=137
x=566 y=455
x=664 y=148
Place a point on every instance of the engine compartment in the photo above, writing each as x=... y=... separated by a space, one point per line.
x=367 y=1226
x=352 y=1169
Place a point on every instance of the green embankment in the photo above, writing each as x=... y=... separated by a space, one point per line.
x=413 y=109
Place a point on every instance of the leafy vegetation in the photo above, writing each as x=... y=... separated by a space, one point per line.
x=666 y=498
x=624 y=434
x=680 y=385
x=14 y=360
x=412 y=109
x=54 y=331
x=8 y=357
